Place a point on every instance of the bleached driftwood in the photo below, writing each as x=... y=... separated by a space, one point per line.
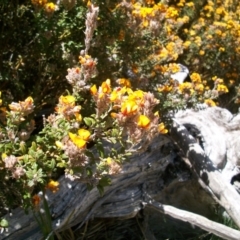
x=208 y=140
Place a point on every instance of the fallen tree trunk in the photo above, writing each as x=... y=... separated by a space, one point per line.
x=148 y=176
x=223 y=191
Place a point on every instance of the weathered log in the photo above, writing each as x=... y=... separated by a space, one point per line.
x=74 y=204
x=204 y=166
x=145 y=175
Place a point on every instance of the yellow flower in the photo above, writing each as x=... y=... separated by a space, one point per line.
x=190 y=4
x=50 y=7
x=192 y=33
x=93 y=89
x=143 y=121
x=4 y=155
x=231 y=82
x=186 y=44
x=129 y=107
x=218 y=32
x=162 y=129
x=173 y=67
x=109 y=160
x=163 y=53
x=117 y=93
x=209 y=36
x=161 y=68
x=214 y=78
x=171 y=12
x=106 y=86
x=78 y=141
x=113 y=114
x=220 y=10
x=165 y=88
x=67 y=100
x=210 y=102
x=195 y=77
x=66 y=106
x=84 y=134
x=199 y=87
x=81 y=139
x=78 y=117
x=114 y=95
x=84 y=59
x=222 y=88
x=186 y=87
x=124 y=82
x=170 y=46
x=53 y=186
x=201 y=52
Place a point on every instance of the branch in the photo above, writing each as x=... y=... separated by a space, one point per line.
x=225 y=193
x=197 y=220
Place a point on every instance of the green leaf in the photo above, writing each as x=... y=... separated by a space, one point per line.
x=104 y=181
x=23 y=147
x=89 y=121
x=52 y=163
x=62 y=165
x=100 y=149
x=34 y=146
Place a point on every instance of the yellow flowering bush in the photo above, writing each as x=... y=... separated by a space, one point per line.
x=99 y=73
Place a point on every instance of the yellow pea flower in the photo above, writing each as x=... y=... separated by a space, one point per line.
x=93 y=89
x=78 y=141
x=195 y=77
x=165 y=88
x=67 y=100
x=78 y=117
x=116 y=94
x=81 y=139
x=53 y=186
x=113 y=115
x=162 y=129
x=186 y=87
x=109 y=160
x=129 y=107
x=84 y=134
x=222 y=88
x=143 y=121
x=199 y=87
x=106 y=86
x=4 y=155
x=210 y=102
x=50 y=7
x=124 y=82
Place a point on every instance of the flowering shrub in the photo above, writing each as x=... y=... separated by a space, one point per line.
x=106 y=70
